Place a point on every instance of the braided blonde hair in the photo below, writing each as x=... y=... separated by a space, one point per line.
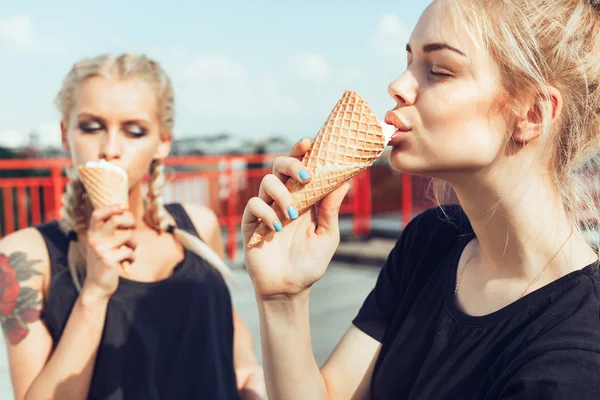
x=541 y=43
x=76 y=211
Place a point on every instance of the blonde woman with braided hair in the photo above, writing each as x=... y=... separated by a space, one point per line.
x=84 y=328
x=497 y=297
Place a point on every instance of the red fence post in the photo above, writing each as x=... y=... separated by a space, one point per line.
x=406 y=199
x=367 y=205
x=356 y=205
x=36 y=214
x=22 y=216
x=231 y=212
x=9 y=212
x=57 y=189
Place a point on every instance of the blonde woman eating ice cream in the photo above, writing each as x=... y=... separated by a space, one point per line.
x=79 y=327
x=497 y=297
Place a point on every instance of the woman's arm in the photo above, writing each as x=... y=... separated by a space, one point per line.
x=289 y=361
x=35 y=372
x=67 y=372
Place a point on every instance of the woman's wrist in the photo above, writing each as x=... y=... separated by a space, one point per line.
x=285 y=304
x=91 y=296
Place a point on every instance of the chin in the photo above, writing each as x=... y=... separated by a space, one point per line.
x=412 y=165
x=403 y=161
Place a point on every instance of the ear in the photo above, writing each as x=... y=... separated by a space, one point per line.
x=64 y=138
x=164 y=147
x=530 y=125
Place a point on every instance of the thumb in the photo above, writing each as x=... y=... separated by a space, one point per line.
x=256 y=383
x=329 y=209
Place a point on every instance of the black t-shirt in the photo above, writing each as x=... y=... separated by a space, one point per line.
x=544 y=346
x=171 y=339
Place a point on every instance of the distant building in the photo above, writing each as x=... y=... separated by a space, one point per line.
x=225 y=143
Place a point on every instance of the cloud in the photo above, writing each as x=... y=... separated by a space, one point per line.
x=42 y=135
x=390 y=37
x=311 y=67
x=18 y=33
x=11 y=138
x=350 y=74
x=218 y=93
x=208 y=69
x=49 y=134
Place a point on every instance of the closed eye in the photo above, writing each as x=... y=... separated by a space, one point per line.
x=90 y=126
x=439 y=74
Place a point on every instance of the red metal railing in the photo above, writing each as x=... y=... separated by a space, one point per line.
x=223 y=183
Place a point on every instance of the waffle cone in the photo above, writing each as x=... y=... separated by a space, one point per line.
x=104 y=187
x=348 y=142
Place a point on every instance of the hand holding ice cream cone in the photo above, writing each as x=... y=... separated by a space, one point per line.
x=106 y=184
x=350 y=140
x=286 y=260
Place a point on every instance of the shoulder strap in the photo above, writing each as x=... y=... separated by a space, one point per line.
x=182 y=219
x=57 y=243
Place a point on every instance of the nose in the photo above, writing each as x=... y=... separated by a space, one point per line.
x=111 y=146
x=404 y=89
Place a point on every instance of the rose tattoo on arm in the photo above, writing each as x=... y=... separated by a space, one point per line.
x=19 y=305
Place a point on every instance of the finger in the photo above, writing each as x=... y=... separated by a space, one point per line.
x=257 y=384
x=120 y=238
x=121 y=254
x=272 y=189
x=328 y=210
x=100 y=215
x=301 y=148
x=285 y=167
x=119 y=221
x=257 y=210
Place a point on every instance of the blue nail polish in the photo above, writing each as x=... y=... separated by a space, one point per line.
x=277 y=226
x=292 y=212
x=304 y=175
x=301 y=139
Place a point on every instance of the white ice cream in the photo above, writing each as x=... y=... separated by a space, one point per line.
x=388 y=131
x=108 y=165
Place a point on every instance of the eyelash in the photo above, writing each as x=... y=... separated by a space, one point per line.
x=438 y=75
x=97 y=127
x=435 y=75
x=88 y=128
x=139 y=134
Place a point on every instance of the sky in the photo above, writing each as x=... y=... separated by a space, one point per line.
x=250 y=68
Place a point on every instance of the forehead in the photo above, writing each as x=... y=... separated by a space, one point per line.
x=116 y=98
x=440 y=24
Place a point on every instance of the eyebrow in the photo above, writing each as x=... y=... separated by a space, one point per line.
x=429 y=48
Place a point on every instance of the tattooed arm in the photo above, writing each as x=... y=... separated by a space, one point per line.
x=67 y=372
x=36 y=371
x=24 y=268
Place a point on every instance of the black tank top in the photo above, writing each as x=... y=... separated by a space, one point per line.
x=171 y=339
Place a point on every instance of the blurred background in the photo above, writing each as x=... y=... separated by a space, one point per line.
x=250 y=79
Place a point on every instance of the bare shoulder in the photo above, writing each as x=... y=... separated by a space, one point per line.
x=204 y=219
x=24 y=269
x=27 y=249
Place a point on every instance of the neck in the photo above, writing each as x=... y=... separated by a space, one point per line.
x=520 y=227
x=136 y=205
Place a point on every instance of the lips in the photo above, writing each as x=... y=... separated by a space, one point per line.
x=393 y=119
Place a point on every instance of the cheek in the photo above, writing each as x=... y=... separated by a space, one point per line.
x=459 y=129
x=82 y=149
x=139 y=162
x=462 y=125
